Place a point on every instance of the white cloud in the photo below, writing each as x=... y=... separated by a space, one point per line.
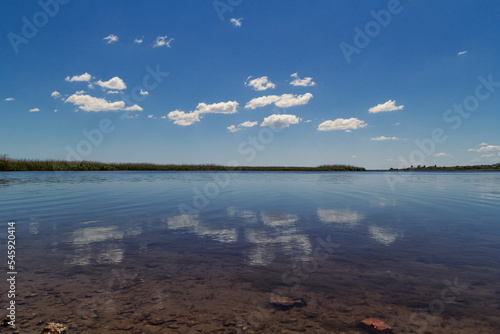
x=485 y=149
x=483 y=144
x=184 y=118
x=113 y=92
x=144 y=92
x=290 y=100
x=462 y=53
x=111 y=38
x=488 y=156
x=90 y=103
x=138 y=40
x=382 y=138
x=55 y=110
x=442 y=154
x=83 y=77
x=79 y=92
x=236 y=22
x=342 y=124
x=135 y=107
x=248 y=124
x=187 y=118
x=113 y=83
x=306 y=82
x=280 y=121
x=55 y=94
x=261 y=101
x=354 y=157
x=260 y=84
x=162 y=41
x=9 y=99
x=151 y=116
x=34 y=110
x=229 y=107
x=283 y=101
x=163 y=117
x=387 y=106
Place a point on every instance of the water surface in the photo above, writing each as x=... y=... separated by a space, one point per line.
x=156 y=252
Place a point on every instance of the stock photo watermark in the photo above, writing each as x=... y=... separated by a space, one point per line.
x=291 y=278
x=223 y=6
x=104 y=303
x=452 y=116
x=426 y=316
x=30 y=28
x=363 y=37
x=249 y=148
x=95 y=136
x=11 y=274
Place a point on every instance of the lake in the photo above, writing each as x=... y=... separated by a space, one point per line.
x=191 y=252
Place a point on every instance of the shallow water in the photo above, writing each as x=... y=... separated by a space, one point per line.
x=190 y=252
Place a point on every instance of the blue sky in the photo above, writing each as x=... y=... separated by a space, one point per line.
x=377 y=84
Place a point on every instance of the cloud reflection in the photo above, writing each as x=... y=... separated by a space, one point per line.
x=192 y=224
x=383 y=235
x=96 y=244
x=343 y=216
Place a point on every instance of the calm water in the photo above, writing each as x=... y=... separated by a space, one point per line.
x=170 y=251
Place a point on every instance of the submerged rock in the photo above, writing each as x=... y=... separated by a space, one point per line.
x=286 y=303
x=54 y=328
x=375 y=326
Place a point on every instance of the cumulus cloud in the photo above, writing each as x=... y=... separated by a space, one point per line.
x=162 y=41
x=90 y=103
x=387 y=106
x=138 y=40
x=236 y=22
x=442 y=154
x=283 y=101
x=111 y=38
x=382 y=138
x=260 y=84
x=342 y=124
x=306 y=82
x=247 y=124
x=184 y=118
x=187 y=118
x=34 y=110
x=143 y=92
x=113 y=92
x=135 y=107
x=461 y=53
x=55 y=94
x=229 y=107
x=76 y=78
x=280 y=121
x=113 y=83
x=9 y=99
x=485 y=148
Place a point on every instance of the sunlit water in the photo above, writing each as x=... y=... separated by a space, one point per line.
x=362 y=243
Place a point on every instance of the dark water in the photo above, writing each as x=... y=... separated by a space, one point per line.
x=156 y=252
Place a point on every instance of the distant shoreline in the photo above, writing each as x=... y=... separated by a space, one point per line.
x=13 y=165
